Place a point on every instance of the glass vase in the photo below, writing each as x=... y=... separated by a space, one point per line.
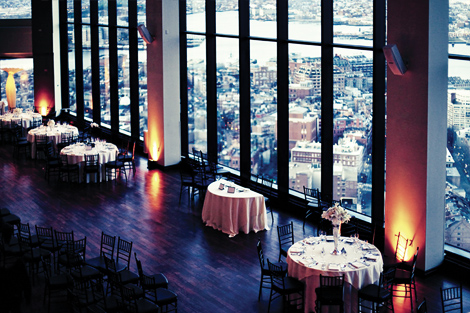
x=336 y=235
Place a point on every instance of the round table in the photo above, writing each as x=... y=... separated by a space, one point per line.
x=243 y=209
x=361 y=264
x=53 y=134
x=76 y=155
x=25 y=119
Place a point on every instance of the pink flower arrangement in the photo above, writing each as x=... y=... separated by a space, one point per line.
x=336 y=214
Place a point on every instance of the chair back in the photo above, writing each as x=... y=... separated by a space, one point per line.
x=124 y=252
x=312 y=195
x=40 y=139
x=413 y=265
x=401 y=247
x=91 y=159
x=277 y=275
x=110 y=264
x=46 y=236
x=422 y=307
x=451 y=299
x=386 y=280
x=64 y=239
x=332 y=286
x=286 y=235
x=107 y=245
x=139 y=267
x=260 y=254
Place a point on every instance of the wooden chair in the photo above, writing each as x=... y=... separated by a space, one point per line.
x=313 y=203
x=381 y=295
x=406 y=278
x=265 y=281
x=330 y=292
x=112 y=168
x=107 y=246
x=290 y=289
x=285 y=235
x=91 y=166
x=451 y=299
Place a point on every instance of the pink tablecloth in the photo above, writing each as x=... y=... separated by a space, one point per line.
x=307 y=267
x=244 y=210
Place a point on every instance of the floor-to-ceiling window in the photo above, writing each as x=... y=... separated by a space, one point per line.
x=287 y=88
x=19 y=70
x=457 y=207
x=104 y=56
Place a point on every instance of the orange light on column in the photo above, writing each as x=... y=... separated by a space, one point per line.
x=10 y=88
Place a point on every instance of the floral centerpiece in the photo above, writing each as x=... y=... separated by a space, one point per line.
x=51 y=123
x=17 y=111
x=93 y=125
x=337 y=215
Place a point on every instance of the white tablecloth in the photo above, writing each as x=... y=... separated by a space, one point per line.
x=231 y=212
x=307 y=267
x=76 y=155
x=53 y=133
x=24 y=118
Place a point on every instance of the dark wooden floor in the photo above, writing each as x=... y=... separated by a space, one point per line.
x=209 y=271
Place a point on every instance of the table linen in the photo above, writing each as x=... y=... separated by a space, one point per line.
x=53 y=134
x=362 y=265
x=244 y=210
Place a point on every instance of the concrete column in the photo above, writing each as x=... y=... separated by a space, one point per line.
x=164 y=135
x=416 y=129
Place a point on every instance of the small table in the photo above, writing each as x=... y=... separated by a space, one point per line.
x=362 y=265
x=243 y=209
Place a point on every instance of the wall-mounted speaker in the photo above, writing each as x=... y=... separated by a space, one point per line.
x=394 y=60
x=145 y=34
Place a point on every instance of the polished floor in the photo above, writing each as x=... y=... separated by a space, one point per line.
x=209 y=271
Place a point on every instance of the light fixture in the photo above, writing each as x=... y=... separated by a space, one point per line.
x=145 y=34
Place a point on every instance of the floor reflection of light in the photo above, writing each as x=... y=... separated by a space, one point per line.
x=154 y=190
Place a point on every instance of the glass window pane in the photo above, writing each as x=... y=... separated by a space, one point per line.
x=21 y=70
x=263 y=18
x=196 y=15
x=304 y=117
x=15 y=9
x=263 y=109
x=458 y=154
x=353 y=22
x=352 y=128
x=105 y=101
x=103 y=12
x=226 y=18
x=72 y=75
x=87 y=94
x=142 y=57
x=122 y=13
x=197 y=98
x=305 y=20
x=228 y=102
x=70 y=11
x=459 y=27
x=123 y=80
x=86 y=11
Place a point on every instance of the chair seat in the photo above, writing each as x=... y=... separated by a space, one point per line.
x=114 y=164
x=36 y=254
x=374 y=293
x=91 y=168
x=160 y=282
x=126 y=277
x=86 y=272
x=402 y=277
x=97 y=263
x=291 y=285
x=165 y=296
x=266 y=271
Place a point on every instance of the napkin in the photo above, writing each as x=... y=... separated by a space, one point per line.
x=371 y=257
x=349 y=240
x=296 y=250
x=329 y=238
x=358 y=264
x=333 y=267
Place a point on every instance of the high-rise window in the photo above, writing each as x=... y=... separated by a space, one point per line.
x=306 y=75
x=457 y=219
x=105 y=55
x=15 y=9
x=21 y=71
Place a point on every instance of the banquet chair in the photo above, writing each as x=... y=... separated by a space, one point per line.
x=71 y=171
x=123 y=254
x=451 y=299
x=107 y=246
x=53 y=163
x=80 y=296
x=406 y=279
x=91 y=166
x=265 y=273
x=63 y=241
x=47 y=241
x=20 y=145
x=285 y=235
x=400 y=252
x=312 y=206
x=5 y=131
x=55 y=284
x=422 y=307
x=157 y=280
x=75 y=262
x=290 y=289
x=65 y=140
x=41 y=145
x=128 y=160
x=188 y=179
x=380 y=296
x=166 y=299
x=112 y=168
x=32 y=253
x=104 y=301
x=124 y=277
x=330 y=292
x=135 y=304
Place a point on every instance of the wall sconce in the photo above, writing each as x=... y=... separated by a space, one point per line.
x=145 y=34
x=394 y=60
